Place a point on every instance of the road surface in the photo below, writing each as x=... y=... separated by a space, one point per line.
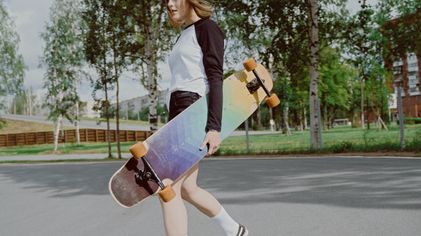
x=273 y=197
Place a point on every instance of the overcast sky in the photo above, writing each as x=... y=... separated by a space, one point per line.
x=30 y=18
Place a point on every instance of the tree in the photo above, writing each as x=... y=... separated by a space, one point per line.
x=24 y=103
x=96 y=47
x=63 y=59
x=335 y=85
x=279 y=32
x=150 y=36
x=315 y=114
x=123 y=33
x=359 y=28
x=105 y=49
x=12 y=67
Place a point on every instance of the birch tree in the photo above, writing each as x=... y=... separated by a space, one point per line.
x=152 y=35
x=316 y=141
x=62 y=58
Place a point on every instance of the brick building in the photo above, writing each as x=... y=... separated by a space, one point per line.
x=403 y=58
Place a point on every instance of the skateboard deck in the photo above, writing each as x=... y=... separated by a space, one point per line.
x=174 y=148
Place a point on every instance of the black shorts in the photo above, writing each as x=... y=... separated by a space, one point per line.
x=179 y=101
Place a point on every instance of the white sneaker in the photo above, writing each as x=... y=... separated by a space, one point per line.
x=242 y=231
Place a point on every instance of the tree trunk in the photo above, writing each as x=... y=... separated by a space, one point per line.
x=419 y=70
x=118 y=119
x=63 y=134
x=257 y=124
x=285 y=112
x=56 y=133
x=272 y=125
x=107 y=117
x=325 y=118
x=77 y=124
x=380 y=123
x=315 y=121
x=368 y=113
x=405 y=79
x=151 y=70
x=362 y=104
x=116 y=79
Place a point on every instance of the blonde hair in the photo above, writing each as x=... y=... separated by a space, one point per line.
x=202 y=8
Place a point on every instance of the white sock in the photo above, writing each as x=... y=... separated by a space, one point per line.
x=228 y=224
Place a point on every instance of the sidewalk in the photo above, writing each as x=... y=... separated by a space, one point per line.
x=102 y=156
x=59 y=157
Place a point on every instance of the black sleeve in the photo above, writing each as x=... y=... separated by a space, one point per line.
x=211 y=40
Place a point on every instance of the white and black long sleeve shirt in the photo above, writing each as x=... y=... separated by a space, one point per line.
x=196 y=65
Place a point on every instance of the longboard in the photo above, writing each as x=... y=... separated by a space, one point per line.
x=172 y=150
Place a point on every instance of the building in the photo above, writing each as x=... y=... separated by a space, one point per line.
x=89 y=111
x=408 y=70
x=132 y=107
x=403 y=58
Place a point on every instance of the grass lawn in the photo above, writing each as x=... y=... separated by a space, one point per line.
x=68 y=148
x=17 y=126
x=337 y=140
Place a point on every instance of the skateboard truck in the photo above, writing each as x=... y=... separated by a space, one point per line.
x=144 y=175
x=138 y=151
x=251 y=65
x=253 y=85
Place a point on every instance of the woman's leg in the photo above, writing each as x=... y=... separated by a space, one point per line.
x=208 y=205
x=198 y=197
x=174 y=212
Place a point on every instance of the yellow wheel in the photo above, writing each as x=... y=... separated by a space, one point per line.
x=167 y=194
x=138 y=150
x=250 y=64
x=273 y=101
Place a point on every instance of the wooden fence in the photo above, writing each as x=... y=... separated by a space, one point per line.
x=86 y=135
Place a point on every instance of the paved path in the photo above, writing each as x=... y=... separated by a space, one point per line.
x=273 y=197
x=59 y=157
x=83 y=124
x=90 y=124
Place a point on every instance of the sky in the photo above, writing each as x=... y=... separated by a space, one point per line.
x=30 y=18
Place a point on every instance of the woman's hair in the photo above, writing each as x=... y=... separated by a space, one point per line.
x=203 y=9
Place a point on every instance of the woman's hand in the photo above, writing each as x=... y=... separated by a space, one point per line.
x=213 y=138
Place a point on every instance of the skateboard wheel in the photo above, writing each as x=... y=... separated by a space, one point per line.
x=167 y=194
x=138 y=150
x=250 y=64
x=273 y=101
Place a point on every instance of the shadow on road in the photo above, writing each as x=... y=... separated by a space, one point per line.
x=343 y=182
x=355 y=183
x=62 y=180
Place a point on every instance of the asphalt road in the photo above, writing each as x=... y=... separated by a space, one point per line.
x=301 y=196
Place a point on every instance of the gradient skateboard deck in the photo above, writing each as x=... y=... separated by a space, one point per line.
x=174 y=148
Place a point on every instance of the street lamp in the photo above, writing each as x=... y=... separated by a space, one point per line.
x=397 y=72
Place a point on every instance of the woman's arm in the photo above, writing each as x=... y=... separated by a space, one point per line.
x=211 y=40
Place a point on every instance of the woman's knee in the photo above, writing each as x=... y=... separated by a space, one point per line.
x=189 y=190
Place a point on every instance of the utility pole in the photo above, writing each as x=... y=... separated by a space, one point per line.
x=398 y=84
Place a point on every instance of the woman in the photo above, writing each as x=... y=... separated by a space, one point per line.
x=196 y=65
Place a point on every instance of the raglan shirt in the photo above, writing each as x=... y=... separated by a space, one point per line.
x=196 y=65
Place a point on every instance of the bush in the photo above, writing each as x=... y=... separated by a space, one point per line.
x=412 y=120
x=344 y=146
x=414 y=144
